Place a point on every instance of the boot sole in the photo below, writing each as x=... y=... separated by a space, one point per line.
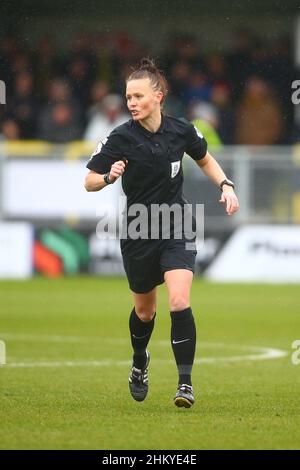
x=182 y=402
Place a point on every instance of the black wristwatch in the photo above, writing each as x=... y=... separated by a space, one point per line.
x=228 y=182
x=106 y=179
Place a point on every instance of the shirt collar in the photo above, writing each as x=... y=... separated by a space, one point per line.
x=145 y=131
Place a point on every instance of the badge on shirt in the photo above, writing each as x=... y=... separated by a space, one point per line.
x=199 y=134
x=175 y=166
x=99 y=147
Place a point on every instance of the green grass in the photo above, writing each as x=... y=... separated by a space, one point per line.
x=239 y=405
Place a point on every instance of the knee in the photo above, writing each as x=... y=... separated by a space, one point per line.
x=178 y=302
x=145 y=314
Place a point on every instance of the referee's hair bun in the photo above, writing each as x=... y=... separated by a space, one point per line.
x=148 y=64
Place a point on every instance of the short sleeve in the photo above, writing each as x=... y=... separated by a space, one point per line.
x=196 y=145
x=107 y=152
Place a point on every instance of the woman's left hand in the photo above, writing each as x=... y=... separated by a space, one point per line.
x=230 y=199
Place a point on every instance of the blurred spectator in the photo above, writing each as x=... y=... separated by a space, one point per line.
x=80 y=78
x=82 y=47
x=239 y=60
x=198 y=88
x=174 y=106
x=59 y=90
x=260 y=62
x=47 y=63
x=110 y=116
x=188 y=51
x=178 y=80
x=217 y=70
x=60 y=118
x=259 y=118
x=221 y=98
x=8 y=49
x=23 y=105
x=185 y=49
x=10 y=130
x=124 y=71
x=204 y=116
x=21 y=62
x=99 y=90
x=60 y=126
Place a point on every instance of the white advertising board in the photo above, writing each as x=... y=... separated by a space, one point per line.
x=16 y=243
x=53 y=189
x=259 y=253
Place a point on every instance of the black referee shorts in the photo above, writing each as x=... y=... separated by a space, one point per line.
x=146 y=261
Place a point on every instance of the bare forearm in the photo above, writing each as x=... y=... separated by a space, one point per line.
x=94 y=182
x=214 y=172
x=211 y=169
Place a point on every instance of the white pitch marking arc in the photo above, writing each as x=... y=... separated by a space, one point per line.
x=257 y=353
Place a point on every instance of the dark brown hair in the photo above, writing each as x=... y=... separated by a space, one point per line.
x=148 y=69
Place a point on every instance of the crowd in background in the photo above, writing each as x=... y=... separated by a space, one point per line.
x=243 y=95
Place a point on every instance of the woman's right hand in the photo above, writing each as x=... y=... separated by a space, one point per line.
x=117 y=170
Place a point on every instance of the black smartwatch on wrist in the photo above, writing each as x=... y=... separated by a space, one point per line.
x=106 y=179
x=228 y=182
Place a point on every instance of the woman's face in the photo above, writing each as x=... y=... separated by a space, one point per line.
x=142 y=100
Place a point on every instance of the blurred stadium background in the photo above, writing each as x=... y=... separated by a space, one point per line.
x=65 y=93
x=230 y=69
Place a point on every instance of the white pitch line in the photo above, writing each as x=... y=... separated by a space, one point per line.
x=45 y=338
x=257 y=353
x=265 y=354
x=42 y=338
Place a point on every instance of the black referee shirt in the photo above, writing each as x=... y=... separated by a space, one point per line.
x=154 y=171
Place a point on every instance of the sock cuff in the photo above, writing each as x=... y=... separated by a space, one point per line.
x=181 y=315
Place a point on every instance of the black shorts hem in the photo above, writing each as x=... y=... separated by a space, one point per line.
x=137 y=290
x=172 y=268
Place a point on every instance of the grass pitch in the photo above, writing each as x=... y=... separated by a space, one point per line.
x=68 y=358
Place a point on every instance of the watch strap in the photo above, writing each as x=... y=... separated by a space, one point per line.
x=106 y=179
x=227 y=182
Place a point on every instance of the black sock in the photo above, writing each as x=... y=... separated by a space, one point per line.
x=140 y=333
x=183 y=338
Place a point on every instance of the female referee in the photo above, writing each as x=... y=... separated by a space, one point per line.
x=147 y=152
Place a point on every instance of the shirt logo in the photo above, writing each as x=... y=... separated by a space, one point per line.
x=99 y=147
x=175 y=166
